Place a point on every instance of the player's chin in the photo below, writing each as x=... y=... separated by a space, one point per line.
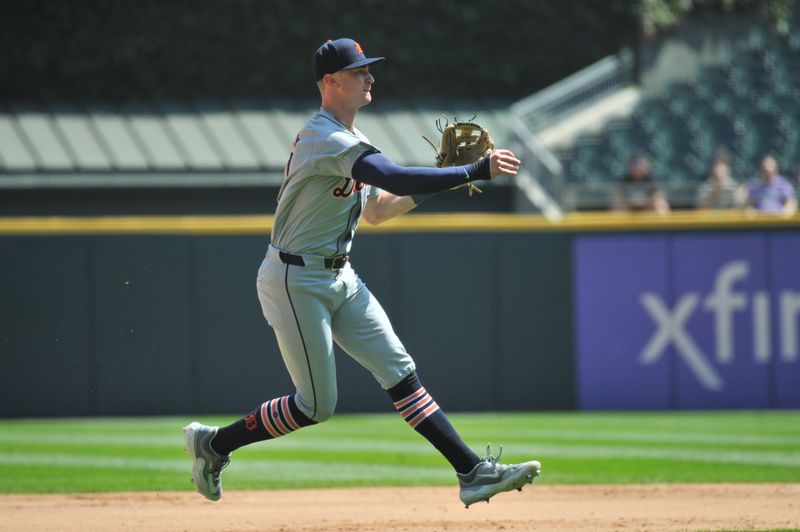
x=367 y=97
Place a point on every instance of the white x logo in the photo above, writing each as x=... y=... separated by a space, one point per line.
x=670 y=329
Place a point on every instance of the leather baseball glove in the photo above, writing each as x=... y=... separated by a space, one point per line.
x=462 y=143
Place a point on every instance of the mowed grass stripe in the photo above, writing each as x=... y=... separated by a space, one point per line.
x=575 y=437
x=722 y=424
x=285 y=473
x=373 y=452
x=761 y=441
x=744 y=423
x=587 y=446
x=248 y=468
x=119 y=454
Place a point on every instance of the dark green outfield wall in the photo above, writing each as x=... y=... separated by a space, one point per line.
x=123 y=321
x=132 y=324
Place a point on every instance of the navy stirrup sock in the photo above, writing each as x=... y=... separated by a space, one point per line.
x=272 y=419
x=422 y=413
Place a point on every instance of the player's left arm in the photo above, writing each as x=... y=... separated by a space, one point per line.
x=386 y=206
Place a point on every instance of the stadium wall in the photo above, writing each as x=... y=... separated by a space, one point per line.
x=139 y=316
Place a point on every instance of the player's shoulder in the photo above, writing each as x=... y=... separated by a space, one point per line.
x=330 y=136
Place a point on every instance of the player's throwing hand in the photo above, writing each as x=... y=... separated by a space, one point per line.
x=503 y=162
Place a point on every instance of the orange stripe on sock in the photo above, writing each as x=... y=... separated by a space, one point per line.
x=402 y=402
x=288 y=413
x=267 y=422
x=277 y=418
x=426 y=399
x=419 y=418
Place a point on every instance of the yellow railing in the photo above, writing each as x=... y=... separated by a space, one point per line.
x=420 y=223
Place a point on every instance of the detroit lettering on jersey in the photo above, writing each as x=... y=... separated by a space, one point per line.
x=320 y=204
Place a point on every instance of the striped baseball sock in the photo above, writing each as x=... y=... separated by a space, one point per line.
x=277 y=417
x=422 y=413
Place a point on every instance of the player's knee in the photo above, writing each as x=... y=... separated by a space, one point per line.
x=325 y=408
x=324 y=412
x=319 y=405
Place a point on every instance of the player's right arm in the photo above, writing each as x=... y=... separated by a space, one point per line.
x=378 y=170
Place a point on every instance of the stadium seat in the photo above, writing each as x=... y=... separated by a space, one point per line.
x=749 y=105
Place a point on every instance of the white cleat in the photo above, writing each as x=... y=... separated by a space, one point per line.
x=489 y=478
x=207 y=464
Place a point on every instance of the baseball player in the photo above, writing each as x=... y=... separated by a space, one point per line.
x=312 y=297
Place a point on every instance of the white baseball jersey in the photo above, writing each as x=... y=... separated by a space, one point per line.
x=319 y=204
x=309 y=307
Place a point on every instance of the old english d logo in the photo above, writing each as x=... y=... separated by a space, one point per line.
x=349 y=186
x=250 y=422
x=359 y=50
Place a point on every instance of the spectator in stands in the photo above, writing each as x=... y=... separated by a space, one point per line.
x=720 y=190
x=637 y=192
x=771 y=192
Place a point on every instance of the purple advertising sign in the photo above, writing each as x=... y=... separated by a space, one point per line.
x=687 y=321
x=785 y=348
x=610 y=274
x=727 y=366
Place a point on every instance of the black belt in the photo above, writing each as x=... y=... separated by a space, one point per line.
x=332 y=263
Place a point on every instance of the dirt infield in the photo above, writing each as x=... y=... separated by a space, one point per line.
x=631 y=507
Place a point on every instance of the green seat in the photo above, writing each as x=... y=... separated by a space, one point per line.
x=713 y=81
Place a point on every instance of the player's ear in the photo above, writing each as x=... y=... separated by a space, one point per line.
x=330 y=80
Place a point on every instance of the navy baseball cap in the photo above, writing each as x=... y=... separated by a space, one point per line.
x=341 y=54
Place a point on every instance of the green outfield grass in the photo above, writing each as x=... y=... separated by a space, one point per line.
x=87 y=455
